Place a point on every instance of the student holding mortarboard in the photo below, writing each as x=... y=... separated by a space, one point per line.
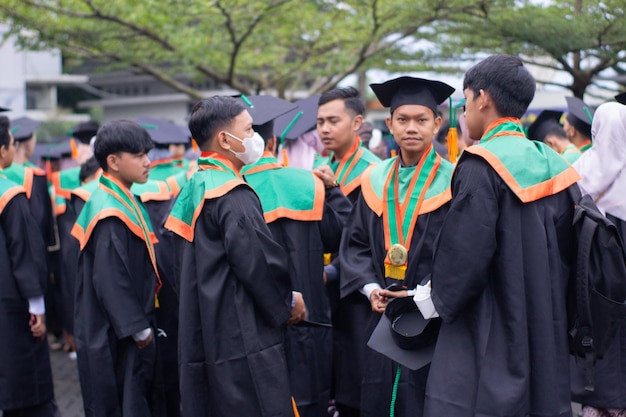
x=390 y=236
x=305 y=213
x=546 y=128
x=234 y=285
x=577 y=123
x=26 y=385
x=502 y=262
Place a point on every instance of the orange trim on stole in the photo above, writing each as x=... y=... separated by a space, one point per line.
x=28 y=181
x=188 y=231
x=174 y=188
x=81 y=193
x=56 y=182
x=162 y=195
x=535 y=192
x=315 y=214
x=83 y=235
x=9 y=194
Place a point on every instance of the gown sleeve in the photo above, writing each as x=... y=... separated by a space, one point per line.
x=337 y=209
x=254 y=257
x=112 y=281
x=467 y=242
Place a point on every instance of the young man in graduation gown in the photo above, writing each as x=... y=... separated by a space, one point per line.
x=26 y=383
x=391 y=234
x=339 y=117
x=502 y=263
x=577 y=123
x=546 y=128
x=305 y=213
x=235 y=290
x=117 y=281
x=164 y=134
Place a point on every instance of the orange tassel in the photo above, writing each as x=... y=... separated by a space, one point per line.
x=285 y=158
x=194 y=145
x=74 y=148
x=453 y=146
x=48 y=170
x=393 y=153
x=295 y=409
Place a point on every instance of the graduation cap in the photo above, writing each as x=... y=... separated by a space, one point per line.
x=57 y=151
x=409 y=90
x=163 y=132
x=542 y=125
x=298 y=121
x=3 y=109
x=579 y=115
x=621 y=98
x=404 y=335
x=23 y=128
x=84 y=131
x=264 y=109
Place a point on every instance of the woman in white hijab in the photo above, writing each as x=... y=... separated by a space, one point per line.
x=603 y=172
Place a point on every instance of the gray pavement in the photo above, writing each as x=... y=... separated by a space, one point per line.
x=66 y=385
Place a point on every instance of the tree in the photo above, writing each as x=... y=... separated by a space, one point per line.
x=249 y=45
x=584 y=39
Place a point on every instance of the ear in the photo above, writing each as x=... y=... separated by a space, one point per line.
x=221 y=140
x=357 y=122
x=484 y=100
x=388 y=123
x=113 y=163
x=271 y=145
x=438 y=122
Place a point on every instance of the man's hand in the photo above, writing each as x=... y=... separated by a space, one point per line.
x=143 y=343
x=298 y=312
x=326 y=174
x=38 y=325
x=394 y=294
x=378 y=301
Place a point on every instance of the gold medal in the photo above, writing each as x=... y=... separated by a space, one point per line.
x=397 y=255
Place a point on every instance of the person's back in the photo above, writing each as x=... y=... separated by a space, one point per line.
x=603 y=172
x=234 y=283
x=502 y=263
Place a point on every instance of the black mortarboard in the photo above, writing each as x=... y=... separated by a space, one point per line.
x=542 y=125
x=298 y=121
x=54 y=151
x=163 y=132
x=404 y=335
x=264 y=110
x=84 y=131
x=409 y=90
x=579 y=115
x=621 y=98
x=23 y=128
x=3 y=109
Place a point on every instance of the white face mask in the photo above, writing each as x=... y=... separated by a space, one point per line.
x=253 y=148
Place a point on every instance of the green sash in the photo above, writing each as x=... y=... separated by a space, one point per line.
x=112 y=199
x=304 y=201
x=214 y=179
x=571 y=153
x=162 y=169
x=531 y=169
x=65 y=181
x=21 y=175
x=8 y=190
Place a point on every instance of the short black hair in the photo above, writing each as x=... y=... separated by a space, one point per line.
x=557 y=131
x=350 y=96
x=88 y=168
x=5 y=137
x=120 y=136
x=507 y=81
x=210 y=115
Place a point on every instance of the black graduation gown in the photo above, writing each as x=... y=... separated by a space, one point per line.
x=167 y=313
x=362 y=257
x=610 y=372
x=25 y=373
x=499 y=281
x=114 y=300
x=234 y=296
x=309 y=349
x=69 y=252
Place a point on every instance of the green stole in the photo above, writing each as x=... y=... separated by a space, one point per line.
x=585 y=146
x=351 y=166
x=162 y=169
x=531 y=169
x=8 y=190
x=304 y=202
x=177 y=181
x=65 y=181
x=215 y=177
x=23 y=176
x=399 y=195
x=571 y=153
x=112 y=199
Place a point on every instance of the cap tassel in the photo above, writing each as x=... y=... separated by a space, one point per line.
x=453 y=146
x=194 y=145
x=285 y=158
x=74 y=148
x=48 y=170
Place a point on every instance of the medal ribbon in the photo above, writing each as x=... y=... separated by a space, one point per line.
x=348 y=162
x=121 y=194
x=399 y=219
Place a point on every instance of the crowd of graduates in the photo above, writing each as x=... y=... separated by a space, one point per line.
x=270 y=260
